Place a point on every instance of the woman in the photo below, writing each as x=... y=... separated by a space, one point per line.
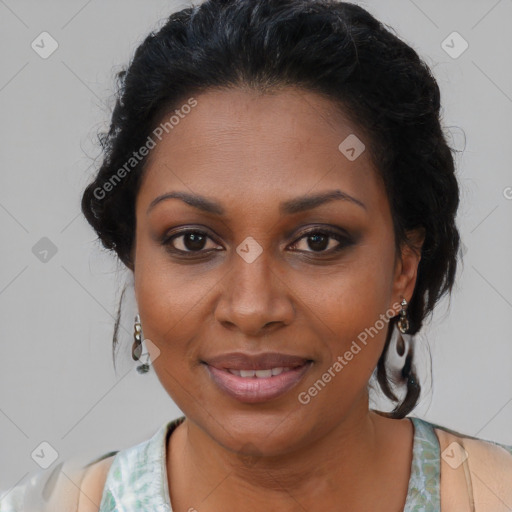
x=277 y=179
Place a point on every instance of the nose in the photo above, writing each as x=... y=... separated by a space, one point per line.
x=255 y=297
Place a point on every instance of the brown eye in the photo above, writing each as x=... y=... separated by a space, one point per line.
x=188 y=241
x=320 y=240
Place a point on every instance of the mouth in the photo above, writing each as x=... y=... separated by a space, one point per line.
x=256 y=378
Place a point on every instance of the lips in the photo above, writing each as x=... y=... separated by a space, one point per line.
x=256 y=378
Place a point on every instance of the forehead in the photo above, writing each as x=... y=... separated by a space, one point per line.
x=241 y=142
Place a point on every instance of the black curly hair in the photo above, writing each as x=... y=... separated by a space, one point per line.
x=335 y=49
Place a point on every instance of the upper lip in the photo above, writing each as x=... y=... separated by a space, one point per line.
x=262 y=361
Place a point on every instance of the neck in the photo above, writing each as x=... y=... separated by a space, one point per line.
x=341 y=465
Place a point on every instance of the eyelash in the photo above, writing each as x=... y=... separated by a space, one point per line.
x=342 y=239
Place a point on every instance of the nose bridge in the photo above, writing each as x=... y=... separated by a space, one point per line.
x=252 y=281
x=253 y=295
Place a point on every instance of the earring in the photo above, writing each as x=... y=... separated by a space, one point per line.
x=399 y=343
x=403 y=323
x=137 y=345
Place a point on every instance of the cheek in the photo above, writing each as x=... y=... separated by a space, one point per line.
x=166 y=300
x=168 y=306
x=166 y=292
x=352 y=309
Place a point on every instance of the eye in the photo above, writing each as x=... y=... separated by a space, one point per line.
x=188 y=241
x=320 y=239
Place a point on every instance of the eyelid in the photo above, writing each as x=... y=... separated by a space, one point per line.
x=343 y=238
x=321 y=228
x=166 y=238
x=340 y=235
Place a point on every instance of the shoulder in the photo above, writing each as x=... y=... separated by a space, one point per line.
x=73 y=486
x=70 y=486
x=93 y=483
x=474 y=471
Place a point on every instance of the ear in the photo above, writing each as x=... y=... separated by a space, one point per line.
x=406 y=266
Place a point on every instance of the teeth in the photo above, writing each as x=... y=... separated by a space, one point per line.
x=259 y=374
x=264 y=374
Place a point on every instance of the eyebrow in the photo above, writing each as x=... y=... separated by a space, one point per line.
x=296 y=205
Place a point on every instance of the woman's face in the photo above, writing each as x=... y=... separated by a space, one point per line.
x=257 y=275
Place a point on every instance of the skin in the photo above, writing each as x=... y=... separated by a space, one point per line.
x=249 y=152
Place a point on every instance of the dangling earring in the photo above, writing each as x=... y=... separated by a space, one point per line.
x=400 y=342
x=137 y=345
x=399 y=358
x=403 y=323
x=403 y=346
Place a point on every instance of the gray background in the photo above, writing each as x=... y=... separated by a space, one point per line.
x=57 y=382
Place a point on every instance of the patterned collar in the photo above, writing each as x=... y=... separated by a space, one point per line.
x=137 y=480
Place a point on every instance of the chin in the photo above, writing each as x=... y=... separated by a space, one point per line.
x=260 y=432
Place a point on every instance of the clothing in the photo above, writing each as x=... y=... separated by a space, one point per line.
x=137 y=479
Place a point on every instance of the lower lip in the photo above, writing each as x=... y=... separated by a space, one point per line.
x=255 y=389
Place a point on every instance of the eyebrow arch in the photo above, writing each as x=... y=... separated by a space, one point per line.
x=197 y=201
x=296 y=205
x=308 y=202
